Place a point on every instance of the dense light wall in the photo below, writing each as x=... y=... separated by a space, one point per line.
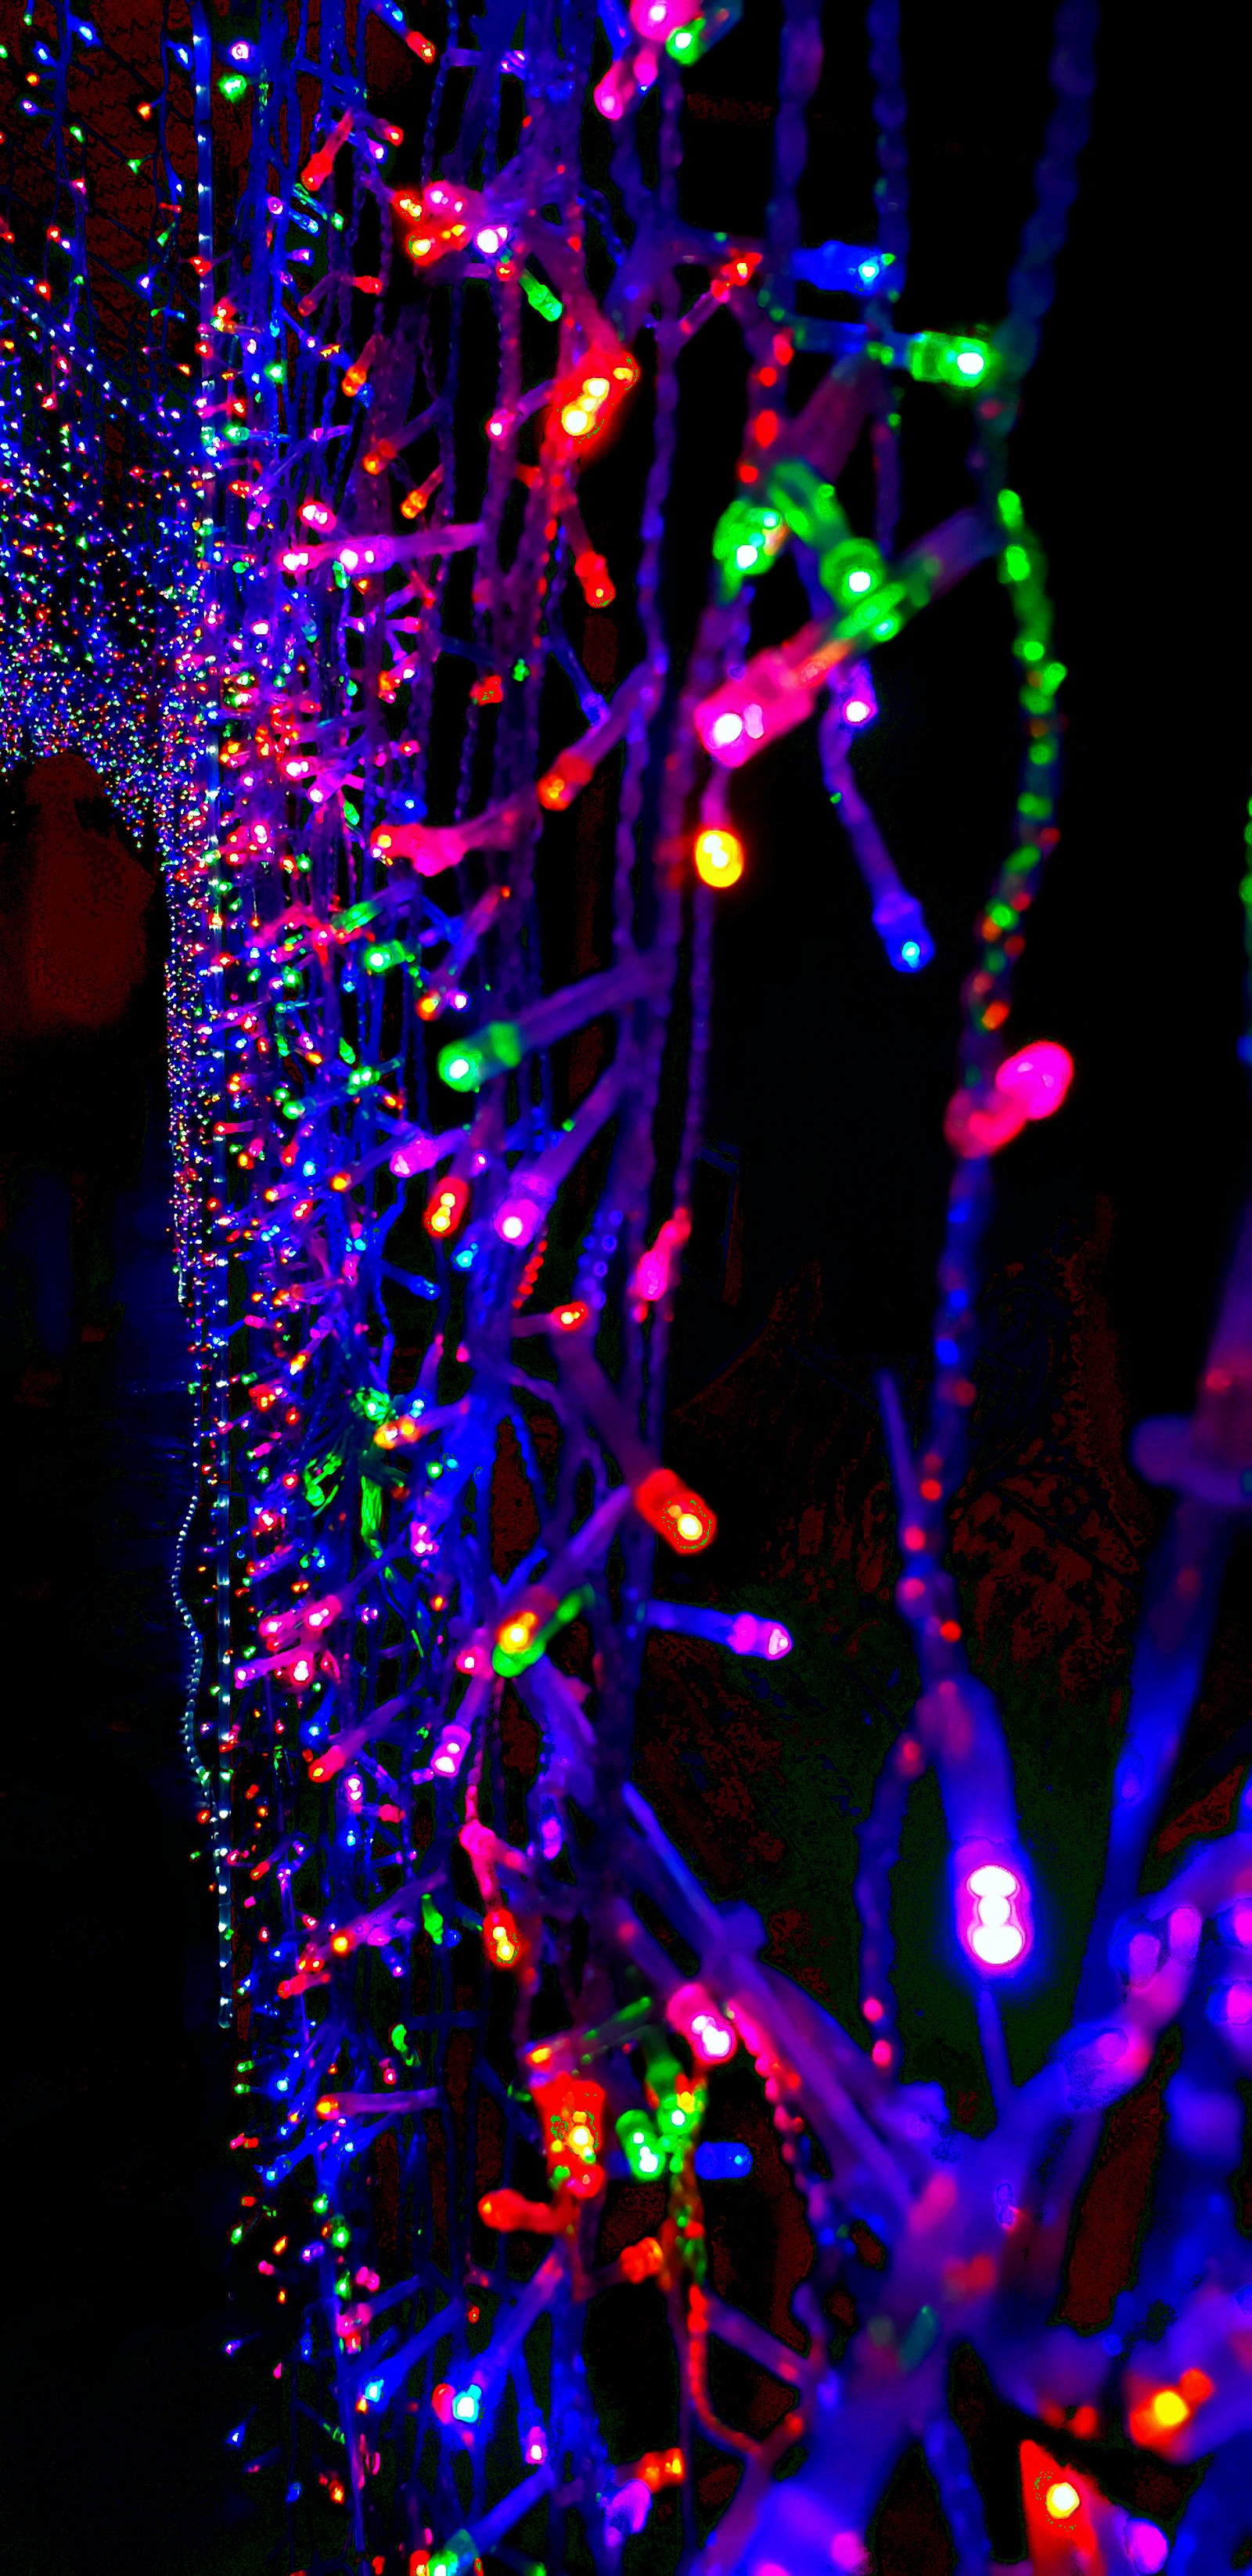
x=447 y=809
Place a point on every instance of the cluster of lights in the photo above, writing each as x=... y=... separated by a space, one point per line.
x=349 y=1523
x=362 y=1278
x=594 y=393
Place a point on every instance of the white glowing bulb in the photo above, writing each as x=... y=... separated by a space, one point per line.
x=996 y=1944
x=992 y=1880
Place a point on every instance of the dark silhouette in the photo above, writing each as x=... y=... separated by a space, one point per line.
x=80 y=954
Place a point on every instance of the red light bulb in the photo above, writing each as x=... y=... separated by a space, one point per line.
x=445 y=1208
x=678 y=1515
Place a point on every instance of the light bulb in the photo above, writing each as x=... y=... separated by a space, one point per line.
x=718 y=857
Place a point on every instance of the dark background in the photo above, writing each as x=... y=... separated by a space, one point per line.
x=818 y=1226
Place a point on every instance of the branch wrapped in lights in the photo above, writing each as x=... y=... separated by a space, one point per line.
x=431 y=1226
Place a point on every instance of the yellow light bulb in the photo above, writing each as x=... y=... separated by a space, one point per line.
x=1062 y=2500
x=1170 y=2409
x=719 y=857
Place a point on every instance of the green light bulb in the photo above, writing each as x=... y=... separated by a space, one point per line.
x=541 y=298
x=852 y=571
x=640 y=2145
x=466 y=1063
x=461 y=1067
x=941 y=358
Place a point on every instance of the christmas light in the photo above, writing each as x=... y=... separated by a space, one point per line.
x=993 y=1915
x=402 y=1315
x=719 y=857
x=587 y=401
x=842 y=267
x=736 y=1629
x=445 y=1207
x=675 y=1512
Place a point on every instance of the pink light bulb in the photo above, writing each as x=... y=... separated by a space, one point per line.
x=1037 y=1078
x=655 y=1267
x=692 y=2011
x=1146 y=2547
x=849 y=2554
x=657 y=19
x=753 y=709
x=415 y=1156
x=751 y=1636
x=614 y=93
x=993 y=1915
x=980 y=1122
x=517 y=1221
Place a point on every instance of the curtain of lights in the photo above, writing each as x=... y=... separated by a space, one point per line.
x=292 y=440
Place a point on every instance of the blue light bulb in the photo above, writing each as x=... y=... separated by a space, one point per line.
x=901 y=926
x=722 y=2160
x=841 y=268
